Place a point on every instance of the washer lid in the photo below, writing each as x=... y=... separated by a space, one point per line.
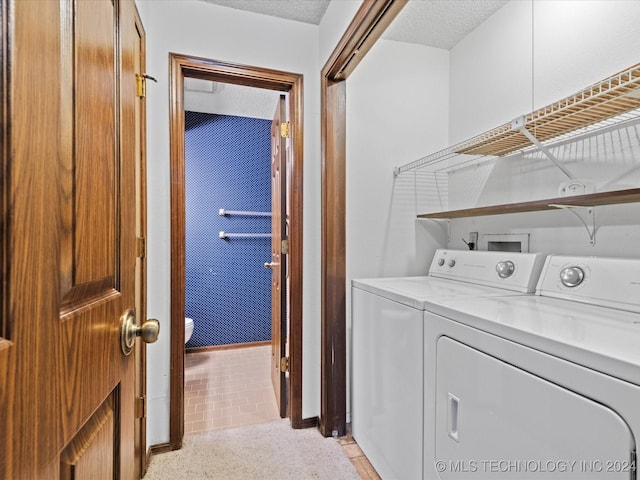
x=421 y=292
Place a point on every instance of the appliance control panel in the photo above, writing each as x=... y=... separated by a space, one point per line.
x=611 y=282
x=510 y=270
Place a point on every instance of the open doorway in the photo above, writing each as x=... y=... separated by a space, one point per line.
x=233 y=145
x=290 y=84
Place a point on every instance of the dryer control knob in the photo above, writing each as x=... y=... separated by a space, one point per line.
x=441 y=262
x=451 y=263
x=571 y=276
x=505 y=269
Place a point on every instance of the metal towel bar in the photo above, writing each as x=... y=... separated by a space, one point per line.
x=222 y=212
x=226 y=236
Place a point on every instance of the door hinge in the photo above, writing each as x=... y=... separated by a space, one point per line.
x=284 y=247
x=284 y=364
x=284 y=129
x=141 y=407
x=141 y=86
x=141 y=247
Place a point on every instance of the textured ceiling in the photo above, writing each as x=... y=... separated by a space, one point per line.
x=435 y=23
x=440 y=23
x=227 y=99
x=307 y=11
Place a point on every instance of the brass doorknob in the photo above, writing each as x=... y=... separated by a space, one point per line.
x=270 y=264
x=148 y=331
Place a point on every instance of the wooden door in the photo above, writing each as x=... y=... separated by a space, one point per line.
x=68 y=240
x=278 y=259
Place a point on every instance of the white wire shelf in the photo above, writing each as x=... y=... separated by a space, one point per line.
x=613 y=103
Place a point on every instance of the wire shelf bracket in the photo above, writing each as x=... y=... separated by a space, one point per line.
x=591 y=213
x=518 y=124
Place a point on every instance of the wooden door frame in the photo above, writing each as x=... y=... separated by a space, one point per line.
x=182 y=66
x=368 y=24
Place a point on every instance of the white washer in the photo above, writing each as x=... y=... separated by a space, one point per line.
x=388 y=349
x=545 y=386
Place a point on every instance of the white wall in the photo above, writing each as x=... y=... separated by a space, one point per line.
x=525 y=56
x=397 y=109
x=491 y=72
x=210 y=31
x=333 y=25
x=229 y=99
x=515 y=62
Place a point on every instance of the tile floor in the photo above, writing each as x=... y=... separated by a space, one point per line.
x=232 y=388
x=228 y=389
x=358 y=459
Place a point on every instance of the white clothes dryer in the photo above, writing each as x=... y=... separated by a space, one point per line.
x=388 y=349
x=544 y=386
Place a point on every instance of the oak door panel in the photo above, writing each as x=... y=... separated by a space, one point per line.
x=90 y=237
x=90 y=454
x=68 y=239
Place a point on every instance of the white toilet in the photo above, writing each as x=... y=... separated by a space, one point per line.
x=188 y=329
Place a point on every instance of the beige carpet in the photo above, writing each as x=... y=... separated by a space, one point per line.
x=271 y=451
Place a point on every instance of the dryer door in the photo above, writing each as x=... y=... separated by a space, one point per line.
x=494 y=420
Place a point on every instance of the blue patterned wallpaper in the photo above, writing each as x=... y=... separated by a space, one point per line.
x=228 y=290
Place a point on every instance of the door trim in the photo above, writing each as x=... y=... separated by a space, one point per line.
x=5 y=175
x=182 y=66
x=368 y=24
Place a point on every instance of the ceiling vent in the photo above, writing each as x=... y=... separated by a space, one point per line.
x=198 y=85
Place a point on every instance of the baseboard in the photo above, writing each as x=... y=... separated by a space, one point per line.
x=158 y=449
x=147 y=461
x=306 y=423
x=230 y=346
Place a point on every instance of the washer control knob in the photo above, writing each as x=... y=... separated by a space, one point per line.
x=571 y=276
x=441 y=262
x=451 y=263
x=505 y=269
